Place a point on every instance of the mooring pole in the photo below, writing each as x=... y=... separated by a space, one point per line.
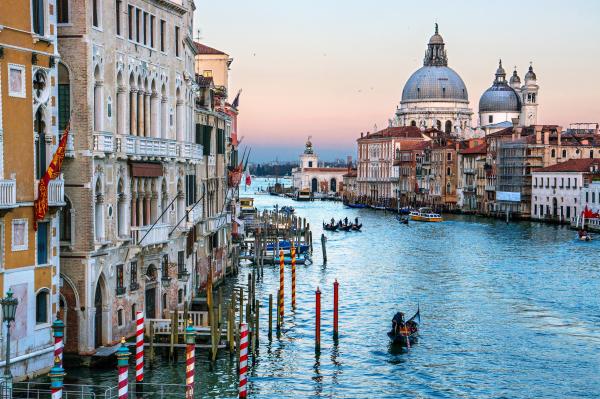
x=243 y=361
x=323 y=240
x=190 y=359
x=335 y=309
x=139 y=351
x=293 y=253
x=270 y=316
x=281 y=292
x=123 y=368
x=57 y=375
x=318 y=320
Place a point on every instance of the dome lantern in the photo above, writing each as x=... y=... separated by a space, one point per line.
x=515 y=80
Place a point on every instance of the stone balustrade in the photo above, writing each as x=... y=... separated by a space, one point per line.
x=157 y=235
x=8 y=193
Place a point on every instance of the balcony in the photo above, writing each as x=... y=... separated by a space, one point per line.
x=157 y=147
x=195 y=214
x=56 y=192
x=158 y=235
x=191 y=151
x=489 y=187
x=104 y=142
x=8 y=194
x=469 y=188
x=469 y=171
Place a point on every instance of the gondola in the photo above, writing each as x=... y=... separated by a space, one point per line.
x=402 y=219
x=287 y=209
x=356 y=227
x=330 y=227
x=345 y=227
x=408 y=334
x=355 y=205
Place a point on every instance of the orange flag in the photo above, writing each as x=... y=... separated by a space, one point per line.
x=40 y=206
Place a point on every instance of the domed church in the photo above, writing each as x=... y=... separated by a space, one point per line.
x=435 y=95
x=505 y=102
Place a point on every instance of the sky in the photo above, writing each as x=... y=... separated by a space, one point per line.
x=333 y=69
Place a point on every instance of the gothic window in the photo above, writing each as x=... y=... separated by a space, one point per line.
x=96 y=11
x=120 y=280
x=413 y=123
x=553 y=153
x=99 y=212
x=38 y=15
x=64 y=96
x=65 y=221
x=40 y=145
x=491 y=119
x=448 y=127
x=438 y=125
x=133 y=277
x=564 y=153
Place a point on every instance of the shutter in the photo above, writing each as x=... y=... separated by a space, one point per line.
x=207 y=137
x=199 y=134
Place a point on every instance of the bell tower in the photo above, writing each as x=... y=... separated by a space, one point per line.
x=529 y=97
x=308 y=159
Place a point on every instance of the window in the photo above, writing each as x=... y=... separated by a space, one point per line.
x=118 y=16
x=587 y=196
x=133 y=276
x=207 y=73
x=20 y=240
x=120 y=317
x=535 y=209
x=180 y=296
x=37 y=13
x=181 y=262
x=448 y=171
x=310 y=164
x=145 y=21
x=95 y=13
x=569 y=182
x=564 y=153
x=220 y=141
x=66 y=216
x=165 y=266
x=554 y=185
x=133 y=312
x=575 y=183
x=152 y=20
x=62 y=11
x=41 y=306
x=177 y=41
x=138 y=20
x=64 y=97
x=449 y=156
x=591 y=153
x=553 y=153
x=190 y=189
x=16 y=80
x=120 y=280
x=130 y=22
x=42 y=243
x=206 y=141
x=593 y=197
x=162 y=35
x=568 y=212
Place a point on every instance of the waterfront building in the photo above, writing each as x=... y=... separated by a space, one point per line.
x=350 y=186
x=376 y=153
x=471 y=176
x=212 y=63
x=560 y=191
x=127 y=73
x=443 y=177
x=435 y=96
x=30 y=129
x=404 y=173
x=318 y=179
x=505 y=104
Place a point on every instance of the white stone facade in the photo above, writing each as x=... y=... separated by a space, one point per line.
x=556 y=195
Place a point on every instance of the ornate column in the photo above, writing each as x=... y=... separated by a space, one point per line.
x=133 y=112
x=164 y=118
x=147 y=132
x=154 y=116
x=147 y=220
x=134 y=209
x=121 y=110
x=179 y=115
x=140 y=113
x=99 y=105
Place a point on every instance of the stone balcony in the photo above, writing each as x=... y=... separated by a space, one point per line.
x=8 y=193
x=194 y=214
x=145 y=147
x=144 y=236
x=56 y=192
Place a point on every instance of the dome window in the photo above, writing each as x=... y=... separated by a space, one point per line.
x=443 y=92
x=491 y=119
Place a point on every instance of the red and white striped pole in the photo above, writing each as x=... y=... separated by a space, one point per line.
x=58 y=328
x=243 y=361
x=318 y=320
x=190 y=359
x=123 y=367
x=139 y=347
x=281 y=292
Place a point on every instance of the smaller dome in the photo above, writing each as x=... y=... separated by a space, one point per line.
x=530 y=75
x=436 y=39
x=515 y=79
x=500 y=98
x=500 y=70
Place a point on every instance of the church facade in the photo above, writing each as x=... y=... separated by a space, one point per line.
x=308 y=175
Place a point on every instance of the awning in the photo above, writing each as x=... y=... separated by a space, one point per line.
x=146 y=169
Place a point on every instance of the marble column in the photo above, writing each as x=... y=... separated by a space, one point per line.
x=147 y=132
x=133 y=112
x=140 y=113
x=164 y=118
x=154 y=116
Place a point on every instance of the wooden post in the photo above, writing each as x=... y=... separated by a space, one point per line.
x=220 y=299
x=323 y=248
x=318 y=320
x=335 y=309
x=293 y=253
x=281 y=291
x=253 y=291
x=310 y=239
x=173 y=337
x=278 y=315
x=270 y=316
x=185 y=313
x=152 y=341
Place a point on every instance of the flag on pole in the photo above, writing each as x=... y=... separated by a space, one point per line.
x=248 y=178
x=236 y=100
x=40 y=206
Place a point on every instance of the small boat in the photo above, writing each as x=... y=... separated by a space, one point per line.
x=425 y=215
x=379 y=207
x=402 y=219
x=405 y=335
x=356 y=227
x=584 y=236
x=355 y=205
x=330 y=227
x=345 y=227
x=287 y=209
x=285 y=245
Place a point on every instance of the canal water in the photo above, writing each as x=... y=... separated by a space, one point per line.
x=507 y=311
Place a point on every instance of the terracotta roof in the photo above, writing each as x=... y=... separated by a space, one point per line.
x=479 y=149
x=398 y=131
x=572 y=165
x=414 y=145
x=204 y=49
x=351 y=173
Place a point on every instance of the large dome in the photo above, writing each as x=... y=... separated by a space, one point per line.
x=435 y=83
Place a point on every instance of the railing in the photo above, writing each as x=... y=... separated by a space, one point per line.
x=8 y=194
x=37 y=390
x=70 y=150
x=158 y=235
x=159 y=147
x=56 y=192
x=191 y=151
x=103 y=142
x=489 y=187
x=468 y=171
x=195 y=214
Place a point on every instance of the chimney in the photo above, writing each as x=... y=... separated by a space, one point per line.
x=515 y=121
x=361 y=135
x=596 y=131
x=558 y=134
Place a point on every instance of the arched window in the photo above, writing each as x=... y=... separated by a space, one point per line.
x=65 y=221
x=591 y=153
x=448 y=171
x=413 y=123
x=121 y=210
x=40 y=145
x=438 y=124
x=448 y=188
x=64 y=96
x=333 y=185
x=42 y=305
x=164 y=301
x=99 y=211
x=98 y=101
x=564 y=153
x=448 y=127
x=553 y=153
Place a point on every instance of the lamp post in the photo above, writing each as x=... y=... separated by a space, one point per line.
x=9 y=308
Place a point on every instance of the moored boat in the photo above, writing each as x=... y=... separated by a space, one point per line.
x=303 y=195
x=330 y=226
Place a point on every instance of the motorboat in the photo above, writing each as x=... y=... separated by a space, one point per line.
x=425 y=215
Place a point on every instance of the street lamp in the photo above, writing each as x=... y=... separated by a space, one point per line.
x=9 y=308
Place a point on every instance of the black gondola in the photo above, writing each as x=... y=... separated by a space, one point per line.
x=406 y=333
x=402 y=219
x=330 y=226
x=356 y=227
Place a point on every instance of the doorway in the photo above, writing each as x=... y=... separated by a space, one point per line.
x=314 y=185
x=151 y=303
x=98 y=316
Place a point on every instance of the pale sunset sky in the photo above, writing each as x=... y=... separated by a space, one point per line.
x=333 y=69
